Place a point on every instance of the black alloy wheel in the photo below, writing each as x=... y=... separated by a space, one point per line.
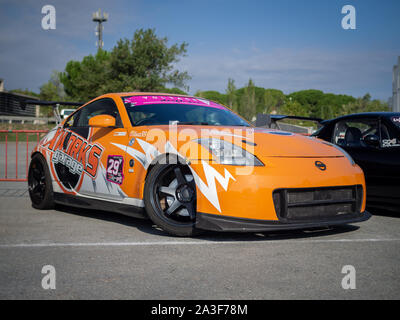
x=170 y=199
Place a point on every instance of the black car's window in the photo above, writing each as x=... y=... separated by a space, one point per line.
x=351 y=133
x=163 y=114
x=396 y=120
x=389 y=137
x=98 y=107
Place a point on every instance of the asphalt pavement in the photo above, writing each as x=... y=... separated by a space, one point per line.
x=103 y=255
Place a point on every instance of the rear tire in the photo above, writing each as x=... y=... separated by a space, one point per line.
x=170 y=199
x=40 y=184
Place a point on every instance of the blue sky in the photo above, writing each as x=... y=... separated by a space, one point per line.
x=286 y=44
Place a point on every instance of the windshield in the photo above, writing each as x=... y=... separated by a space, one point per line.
x=183 y=113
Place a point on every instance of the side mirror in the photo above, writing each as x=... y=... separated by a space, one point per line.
x=102 y=121
x=372 y=140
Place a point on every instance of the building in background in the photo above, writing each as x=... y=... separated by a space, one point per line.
x=395 y=100
x=11 y=104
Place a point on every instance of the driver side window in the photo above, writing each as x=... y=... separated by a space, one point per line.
x=389 y=138
x=351 y=133
x=98 y=107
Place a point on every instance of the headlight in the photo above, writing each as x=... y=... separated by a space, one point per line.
x=228 y=153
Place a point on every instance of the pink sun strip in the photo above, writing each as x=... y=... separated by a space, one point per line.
x=160 y=99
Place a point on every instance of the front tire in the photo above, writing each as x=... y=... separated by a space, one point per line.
x=170 y=199
x=39 y=183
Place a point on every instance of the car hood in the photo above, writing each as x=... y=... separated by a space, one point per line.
x=275 y=143
x=258 y=141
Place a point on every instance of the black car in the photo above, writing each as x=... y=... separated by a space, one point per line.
x=373 y=140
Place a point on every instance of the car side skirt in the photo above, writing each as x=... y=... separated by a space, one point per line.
x=98 y=204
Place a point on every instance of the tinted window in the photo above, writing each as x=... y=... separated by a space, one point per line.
x=396 y=120
x=389 y=137
x=350 y=133
x=163 y=114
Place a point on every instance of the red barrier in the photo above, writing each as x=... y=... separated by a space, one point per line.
x=7 y=143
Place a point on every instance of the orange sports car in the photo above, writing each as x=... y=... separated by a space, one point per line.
x=190 y=164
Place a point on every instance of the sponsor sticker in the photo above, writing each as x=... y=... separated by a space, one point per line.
x=139 y=134
x=114 y=172
x=387 y=143
x=396 y=121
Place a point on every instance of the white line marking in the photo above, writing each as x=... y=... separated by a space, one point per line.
x=166 y=243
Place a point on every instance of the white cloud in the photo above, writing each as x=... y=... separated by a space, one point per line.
x=28 y=54
x=295 y=69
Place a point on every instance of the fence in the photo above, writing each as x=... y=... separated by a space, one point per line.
x=6 y=138
x=23 y=120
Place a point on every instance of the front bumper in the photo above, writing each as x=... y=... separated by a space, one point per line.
x=231 y=224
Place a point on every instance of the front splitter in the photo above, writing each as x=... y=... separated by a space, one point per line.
x=219 y=223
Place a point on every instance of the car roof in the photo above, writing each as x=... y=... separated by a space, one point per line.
x=125 y=94
x=384 y=114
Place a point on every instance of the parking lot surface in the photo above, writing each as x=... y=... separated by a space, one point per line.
x=102 y=255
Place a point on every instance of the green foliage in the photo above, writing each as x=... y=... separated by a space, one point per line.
x=319 y=104
x=294 y=108
x=212 y=95
x=145 y=64
x=273 y=100
x=231 y=99
x=87 y=79
x=173 y=91
x=251 y=100
x=25 y=92
x=364 y=104
x=248 y=101
x=53 y=90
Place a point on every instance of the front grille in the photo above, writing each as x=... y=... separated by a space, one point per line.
x=317 y=203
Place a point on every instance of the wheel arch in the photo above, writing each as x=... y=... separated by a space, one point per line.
x=165 y=159
x=37 y=152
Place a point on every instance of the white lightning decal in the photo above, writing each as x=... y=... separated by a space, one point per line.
x=210 y=189
x=144 y=158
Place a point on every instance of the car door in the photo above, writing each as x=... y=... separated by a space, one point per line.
x=389 y=161
x=349 y=134
x=104 y=163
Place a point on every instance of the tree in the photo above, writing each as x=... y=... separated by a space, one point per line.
x=273 y=100
x=53 y=90
x=248 y=103
x=26 y=92
x=87 y=79
x=294 y=108
x=231 y=99
x=145 y=63
x=212 y=95
x=173 y=90
x=364 y=104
